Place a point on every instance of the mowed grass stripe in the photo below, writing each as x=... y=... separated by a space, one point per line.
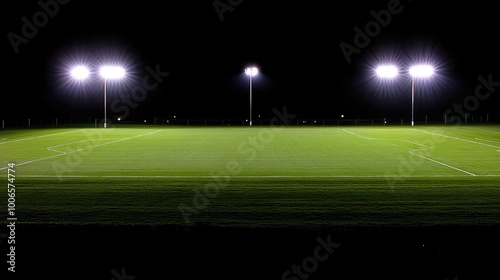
x=311 y=203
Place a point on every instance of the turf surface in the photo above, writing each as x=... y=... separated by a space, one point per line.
x=263 y=177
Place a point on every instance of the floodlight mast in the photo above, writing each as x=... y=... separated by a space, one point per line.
x=422 y=71
x=107 y=72
x=105 y=117
x=251 y=71
x=110 y=72
x=419 y=71
x=412 y=100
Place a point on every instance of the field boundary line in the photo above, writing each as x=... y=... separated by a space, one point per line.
x=456 y=138
x=41 y=136
x=118 y=140
x=487 y=140
x=493 y=141
x=426 y=148
x=357 y=135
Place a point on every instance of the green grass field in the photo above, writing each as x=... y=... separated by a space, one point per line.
x=293 y=177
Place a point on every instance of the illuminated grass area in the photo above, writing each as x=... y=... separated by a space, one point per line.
x=294 y=177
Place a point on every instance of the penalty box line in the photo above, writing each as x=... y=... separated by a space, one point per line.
x=99 y=145
x=415 y=154
x=426 y=148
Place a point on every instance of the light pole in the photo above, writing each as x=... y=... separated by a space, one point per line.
x=418 y=71
x=251 y=71
x=110 y=72
x=107 y=72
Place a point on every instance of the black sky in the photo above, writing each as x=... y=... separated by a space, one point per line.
x=294 y=43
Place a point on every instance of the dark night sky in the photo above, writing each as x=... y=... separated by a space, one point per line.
x=294 y=43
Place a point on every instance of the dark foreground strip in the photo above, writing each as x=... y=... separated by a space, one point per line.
x=203 y=252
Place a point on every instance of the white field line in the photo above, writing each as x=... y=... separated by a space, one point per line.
x=36 y=137
x=426 y=148
x=357 y=135
x=412 y=152
x=57 y=151
x=492 y=141
x=460 y=139
x=249 y=176
x=78 y=150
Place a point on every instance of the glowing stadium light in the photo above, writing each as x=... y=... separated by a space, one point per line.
x=112 y=72
x=387 y=71
x=251 y=71
x=80 y=72
x=421 y=71
x=417 y=71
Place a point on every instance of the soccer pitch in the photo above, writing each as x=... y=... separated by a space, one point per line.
x=269 y=177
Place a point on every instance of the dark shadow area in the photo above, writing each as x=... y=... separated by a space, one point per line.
x=140 y=252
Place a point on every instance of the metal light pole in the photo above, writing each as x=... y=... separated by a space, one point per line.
x=251 y=71
x=250 y=100
x=412 y=100
x=105 y=117
x=419 y=71
x=110 y=72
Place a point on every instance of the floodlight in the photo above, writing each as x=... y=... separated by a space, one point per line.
x=80 y=72
x=251 y=71
x=112 y=72
x=421 y=71
x=387 y=71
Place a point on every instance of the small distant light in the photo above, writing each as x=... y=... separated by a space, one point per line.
x=175 y=117
x=119 y=119
x=341 y=116
x=144 y=120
